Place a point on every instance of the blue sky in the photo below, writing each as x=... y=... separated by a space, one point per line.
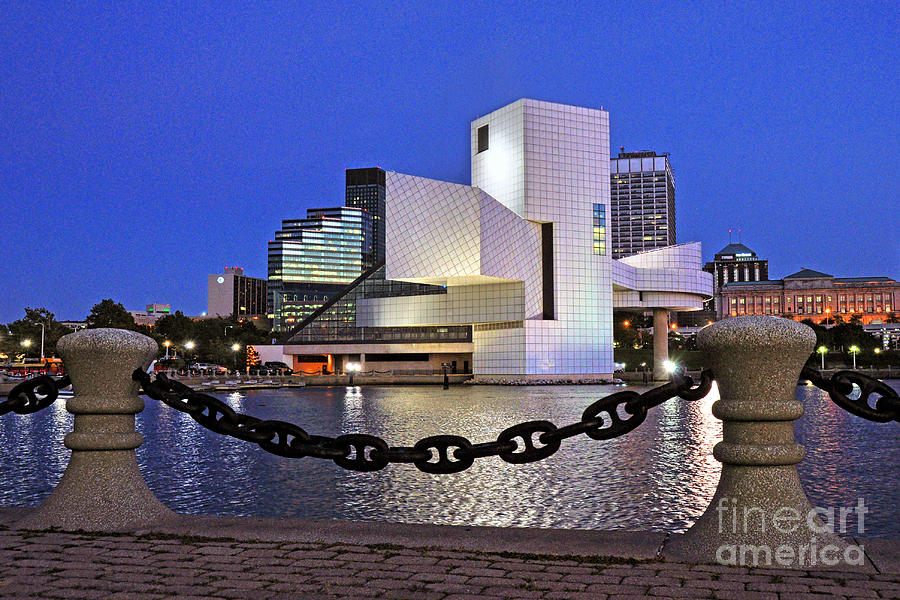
x=146 y=146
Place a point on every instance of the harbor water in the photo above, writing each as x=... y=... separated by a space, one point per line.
x=660 y=476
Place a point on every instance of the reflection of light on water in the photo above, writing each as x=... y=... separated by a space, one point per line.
x=235 y=400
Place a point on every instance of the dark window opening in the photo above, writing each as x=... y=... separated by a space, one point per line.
x=547 y=268
x=482 y=138
x=399 y=357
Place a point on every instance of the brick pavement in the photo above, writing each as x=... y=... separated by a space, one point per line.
x=151 y=566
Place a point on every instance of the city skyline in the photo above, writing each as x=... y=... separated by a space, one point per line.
x=147 y=149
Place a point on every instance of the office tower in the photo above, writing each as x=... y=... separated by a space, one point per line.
x=642 y=202
x=365 y=189
x=312 y=258
x=233 y=293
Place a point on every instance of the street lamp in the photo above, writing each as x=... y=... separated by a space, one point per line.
x=669 y=366
x=167 y=343
x=854 y=350
x=42 y=343
x=827 y=314
x=235 y=347
x=351 y=369
x=626 y=324
x=822 y=351
x=26 y=344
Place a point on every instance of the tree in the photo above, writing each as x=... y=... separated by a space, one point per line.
x=29 y=328
x=855 y=319
x=108 y=313
x=893 y=317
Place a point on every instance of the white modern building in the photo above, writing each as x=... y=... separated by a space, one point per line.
x=522 y=255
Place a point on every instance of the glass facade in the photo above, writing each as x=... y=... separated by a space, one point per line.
x=365 y=189
x=600 y=229
x=311 y=259
x=337 y=324
x=642 y=203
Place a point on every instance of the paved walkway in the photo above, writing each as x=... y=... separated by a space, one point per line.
x=151 y=565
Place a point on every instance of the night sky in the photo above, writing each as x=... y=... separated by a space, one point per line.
x=142 y=149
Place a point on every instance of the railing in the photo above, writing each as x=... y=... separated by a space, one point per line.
x=756 y=361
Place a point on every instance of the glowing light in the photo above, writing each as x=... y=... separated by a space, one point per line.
x=353 y=367
x=167 y=343
x=822 y=350
x=674 y=325
x=626 y=323
x=189 y=345
x=235 y=347
x=26 y=343
x=669 y=366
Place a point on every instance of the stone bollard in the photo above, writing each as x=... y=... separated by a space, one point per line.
x=759 y=515
x=102 y=488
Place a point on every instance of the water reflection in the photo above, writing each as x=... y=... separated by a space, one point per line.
x=660 y=476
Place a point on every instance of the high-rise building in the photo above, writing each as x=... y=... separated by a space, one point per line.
x=310 y=259
x=642 y=202
x=233 y=293
x=365 y=189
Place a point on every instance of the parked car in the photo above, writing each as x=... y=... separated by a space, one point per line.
x=209 y=369
x=271 y=367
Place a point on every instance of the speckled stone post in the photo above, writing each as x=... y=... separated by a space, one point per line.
x=102 y=488
x=757 y=361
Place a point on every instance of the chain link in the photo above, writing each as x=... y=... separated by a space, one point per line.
x=886 y=407
x=609 y=417
x=33 y=394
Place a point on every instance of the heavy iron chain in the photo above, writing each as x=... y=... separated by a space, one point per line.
x=609 y=417
x=33 y=394
x=886 y=407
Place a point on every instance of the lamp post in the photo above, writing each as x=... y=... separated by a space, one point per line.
x=854 y=350
x=822 y=350
x=42 y=343
x=352 y=368
x=827 y=314
x=26 y=344
x=167 y=343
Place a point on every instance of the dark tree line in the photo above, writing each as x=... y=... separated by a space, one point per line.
x=209 y=340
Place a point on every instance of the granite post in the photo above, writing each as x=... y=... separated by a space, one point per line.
x=102 y=488
x=759 y=515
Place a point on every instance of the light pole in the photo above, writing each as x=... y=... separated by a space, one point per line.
x=26 y=344
x=854 y=350
x=827 y=314
x=42 y=343
x=351 y=369
x=822 y=351
x=167 y=343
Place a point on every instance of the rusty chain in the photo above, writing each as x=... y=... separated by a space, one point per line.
x=607 y=418
x=840 y=387
x=33 y=394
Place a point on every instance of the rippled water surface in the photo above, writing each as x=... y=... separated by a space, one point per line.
x=661 y=476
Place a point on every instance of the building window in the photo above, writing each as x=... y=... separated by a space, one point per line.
x=482 y=138
x=600 y=229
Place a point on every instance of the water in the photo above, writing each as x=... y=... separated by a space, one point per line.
x=660 y=476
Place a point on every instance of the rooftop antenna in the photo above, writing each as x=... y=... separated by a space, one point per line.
x=729 y=236
x=739 y=235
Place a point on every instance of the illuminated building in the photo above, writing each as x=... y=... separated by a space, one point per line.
x=642 y=202
x=733 y=263
x=365 y=189
x=513 y=272
x=233 y=293
x=311 y=259
x=809 y=294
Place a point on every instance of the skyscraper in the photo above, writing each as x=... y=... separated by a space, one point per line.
x=365 y=190
x=312 y=258
x=231 y=293
x=642 y=202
